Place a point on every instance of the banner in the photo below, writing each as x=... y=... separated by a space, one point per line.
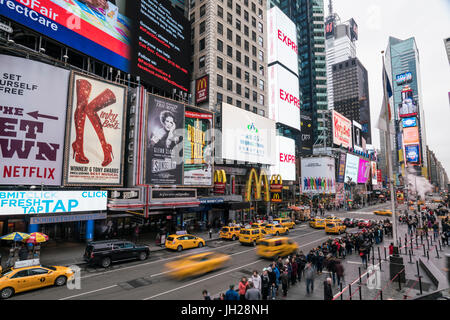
x=41 y=202
x=318 y=175
x=165 y=131
x=374 y=173
x=363 y=171
x=285 y=161
x=33 y=104
x=341 y=172
x=342 y=130
x=340 y=193
x=351 y=168
x=198 y=149
x=95 y=137
x=411 y=135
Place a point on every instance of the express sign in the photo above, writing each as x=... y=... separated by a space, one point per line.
x=285 y=165
x=288 y=158
x=286 y=96
x=286 y=40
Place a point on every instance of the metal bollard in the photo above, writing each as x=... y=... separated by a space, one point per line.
x=424 y=254
x=428 y=255
x=418 y=272
x=350 y=291
x=359 y=271
x=421 y=238
x=410 y=257
x=399 y=283
x=360 y=293
x=342 y=294
x=437 y=252
x=420 y=285
x=385 y=256
x=440 y=248
x=381 y=294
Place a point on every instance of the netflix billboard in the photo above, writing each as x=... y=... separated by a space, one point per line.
x=32 y=122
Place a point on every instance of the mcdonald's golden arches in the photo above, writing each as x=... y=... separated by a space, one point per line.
x=254 y=180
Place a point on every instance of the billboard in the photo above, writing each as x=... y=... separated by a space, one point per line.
x=42 y=202
x=306 y=133
x=412 y=153
x=409 y=122
x=351 y=168
x=32 y=122
x=318 y=175
x=403 y=78
x=342 y=130
x=408 y=107
x=284 y=101
x=202 y=90
x=198 y=151
x=363 y=171
x=341 y=170
x=149 y=45
x=353 y=30
x=95 y=138
x=285 y=159
x=357 y=136
x=249 y=137
x=374 y=171
x=282 y=40
x=411 y=135
x=165 y=132
x=329 y=28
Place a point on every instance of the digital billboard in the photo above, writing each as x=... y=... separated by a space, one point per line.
x=409 y=122
x=33 y=106
x=412 y=153
x=351 y=168
x=357 y=136
x=306 y=133
x=318 y=175
x=284 y=97
x=282 y=40
x=403 y=78
x=353 y=30
x=341 y=170
x=374 y=172
x=285 y=159
x=408 y=107
x=149 y=45
x=342 y=130
x=411 y=135
x=249 y=137
x=329 y=28
x=202 y=90
x=363 y=171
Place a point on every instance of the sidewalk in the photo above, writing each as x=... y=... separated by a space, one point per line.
x=71 y=253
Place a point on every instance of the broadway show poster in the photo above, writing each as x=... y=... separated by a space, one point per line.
x=165 y=131
x=33 y=105
x=198 y=160
x=96 y=132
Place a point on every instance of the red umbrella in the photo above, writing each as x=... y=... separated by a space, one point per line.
x=37 y=237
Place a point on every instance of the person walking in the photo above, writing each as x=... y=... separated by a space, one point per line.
x=363 y=255
x=231 y=294
x=309 y=276
x=265 y=284
x=339 y=272
x=256 y=280
x=252 y=293
x=327 y=290
x=294 y=269
x=301 y=261
x=284 y=281
x=243 y=285
x=206 y=295
x=272 y=283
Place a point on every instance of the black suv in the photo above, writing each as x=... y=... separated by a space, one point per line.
x=105 y=252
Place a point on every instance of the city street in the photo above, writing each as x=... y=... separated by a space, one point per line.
x=148 y=280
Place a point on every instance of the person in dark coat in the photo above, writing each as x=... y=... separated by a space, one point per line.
x=265 y=284
x=294 y=270
x=339 y=272
x=327 y=290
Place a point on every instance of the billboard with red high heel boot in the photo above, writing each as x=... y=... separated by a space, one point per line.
x=95 y=135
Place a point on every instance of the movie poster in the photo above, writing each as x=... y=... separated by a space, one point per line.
x=165 y=132
x=198 y=160
x=96 y=132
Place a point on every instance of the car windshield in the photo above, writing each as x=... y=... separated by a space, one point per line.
x=5 y=272
x=245 y=231
x=225 y=230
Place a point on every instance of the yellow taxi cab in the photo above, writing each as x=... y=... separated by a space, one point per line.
x=251 y=235
x=317 y=223
x=230 y=232
x=420 y=202
x=181 y=241
x=288 y=223
x=276 y=229
x=331 y=219
x=383 y=212
x=16 y=280
x=197 y=264
x=259 y=224
x=280 y=246
x=335 y=227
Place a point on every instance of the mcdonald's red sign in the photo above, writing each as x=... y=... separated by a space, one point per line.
x=202 y=89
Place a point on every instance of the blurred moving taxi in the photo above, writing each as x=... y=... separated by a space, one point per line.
x=335 y=227
x=180 y=242
x=383 y=212
x=331 y=219
x=251 y=235
x=270 y=248
x=259 y=224
x=197 y=264
x=276 y=229
x=317 y=223
x=231 y=232
x=288 y=223
x=23 y=279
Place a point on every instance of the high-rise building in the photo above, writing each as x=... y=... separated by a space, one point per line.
x=229 y=54
x=403 y=68
x=351 y=93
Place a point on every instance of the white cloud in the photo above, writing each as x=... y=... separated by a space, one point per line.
x=429 y=23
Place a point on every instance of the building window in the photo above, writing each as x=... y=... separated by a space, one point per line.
x=254 y=65
x=219 y=81
x=238 y=72
x=229 y=68
x=254 y=36
x=238 y=56
x=202 y=10
x=220 y=11
x=230 y=51
x=253 y=7
x=260 y=27
x=254 y=51
x=229 y=19
x=247 y=107
x=247 y=93
x=262 y=113
x=246 y=3
x=261 y=84
x=192 y=18
x=229 y=85
x=238 y=89
x=202 y=27
x=261 y=99
x=219 y=97
x=254 y=22
x=219 y=28
x=238 y=103
x=246 y=45
x=202 y=44
x=255 y=96
x=246 y=16
x=229 y=100
x=254 y=81
x=260 y=55
x=246 y=30
x=238 y=9
x=238 y=40
x=261 y=41
x=247 y=77
x=238 y=24
x=229 y=35
x=219 y=63
x=230 y=4
x=247 y=61
x=220 y=45
x=260 y=14
x=201 y=62
x=255 y=110
x=261 y=70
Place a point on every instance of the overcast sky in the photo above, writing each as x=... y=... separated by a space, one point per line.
x=427 y=21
